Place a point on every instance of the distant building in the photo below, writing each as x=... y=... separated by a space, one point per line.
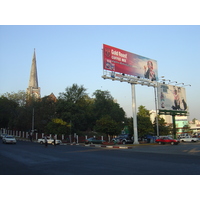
x=52 y=97
x=167 y=118
x=33 y=90
x=195 y=126
x=182 y=122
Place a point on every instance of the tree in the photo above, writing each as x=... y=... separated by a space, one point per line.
x=19 y=97
x=58 y=126
x=144 y=123
x=104 y=105
x=74 y=106
x=107 y=125
x=143 y=112
x=7 y=112
x=194 y=120
x=162 y=125
x=74 y=94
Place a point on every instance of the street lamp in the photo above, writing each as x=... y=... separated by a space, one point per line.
x=179 y=84
x=173 y=82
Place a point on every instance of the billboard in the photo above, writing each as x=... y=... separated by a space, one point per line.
x=171 y=97
x=126 y=63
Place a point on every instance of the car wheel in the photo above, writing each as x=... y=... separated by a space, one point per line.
x=182 y=141
x=172 y=143
x=124 y=142
x=41 y=142
x=159 y=142
x=91 y=142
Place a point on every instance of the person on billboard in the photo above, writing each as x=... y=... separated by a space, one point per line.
x=183 y=104
x=162 y=100
x=148 y=71
x=176 y=105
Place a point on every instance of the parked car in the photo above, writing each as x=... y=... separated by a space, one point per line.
x=49 y=141
x=9 y=139
x=189 y=139
x=167 y=140
x=93 y=140
x=123 y=138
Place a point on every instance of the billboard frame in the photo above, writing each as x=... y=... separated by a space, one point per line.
x=133 y=80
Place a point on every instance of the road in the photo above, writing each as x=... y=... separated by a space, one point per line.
x=26 y=158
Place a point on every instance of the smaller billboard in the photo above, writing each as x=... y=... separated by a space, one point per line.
x=120 y=61
x=171 y=97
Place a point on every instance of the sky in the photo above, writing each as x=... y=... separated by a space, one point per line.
x=71 y=54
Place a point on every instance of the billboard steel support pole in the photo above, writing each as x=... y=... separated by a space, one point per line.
x=135 y=131
x=156 y=106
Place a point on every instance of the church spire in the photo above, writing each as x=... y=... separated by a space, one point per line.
x=33 y=81
x=33 y=89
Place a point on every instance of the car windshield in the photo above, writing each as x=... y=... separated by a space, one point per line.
x=170 y=138
x=9 y=137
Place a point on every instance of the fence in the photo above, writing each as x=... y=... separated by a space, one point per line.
x=63 y=138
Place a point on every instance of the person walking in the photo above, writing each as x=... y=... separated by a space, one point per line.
x=45 y=140
x=54 y=140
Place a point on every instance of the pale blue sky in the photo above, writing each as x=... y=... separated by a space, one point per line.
x=73 y=54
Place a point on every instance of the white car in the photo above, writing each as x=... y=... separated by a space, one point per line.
x=49 y=141
x=188 y=139
x=9 y=139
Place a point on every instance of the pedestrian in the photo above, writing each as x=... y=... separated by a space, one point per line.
x=31 y=137
x=54 y=140
x=45 y=140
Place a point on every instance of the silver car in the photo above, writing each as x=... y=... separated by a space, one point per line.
x=8 y=139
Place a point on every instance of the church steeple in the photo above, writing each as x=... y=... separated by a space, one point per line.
x=33 y=90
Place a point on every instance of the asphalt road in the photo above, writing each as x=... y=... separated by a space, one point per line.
x=26 y=158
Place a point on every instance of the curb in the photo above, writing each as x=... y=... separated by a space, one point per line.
x=103 y=146
x=109 y=146
x=93 y=145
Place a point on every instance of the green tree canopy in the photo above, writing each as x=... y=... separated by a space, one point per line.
x=18 y=97
x=104 y=105
x=107 y=125
x=162 y=125
x=144 y=122
x=7 y=112
x=74 y=106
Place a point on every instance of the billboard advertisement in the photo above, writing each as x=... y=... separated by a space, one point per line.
x=171 y=97
x=126 y=63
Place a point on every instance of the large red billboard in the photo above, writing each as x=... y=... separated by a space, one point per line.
x=126 y=63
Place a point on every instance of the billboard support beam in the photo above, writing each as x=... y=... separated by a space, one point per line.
x=134 y=114
x=174 y=125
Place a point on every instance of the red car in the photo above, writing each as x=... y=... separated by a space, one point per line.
x=166 y=140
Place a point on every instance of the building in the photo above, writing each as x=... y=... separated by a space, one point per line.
x=182 y=122
x=33 y=90
x=195 y=126
x=167 y=118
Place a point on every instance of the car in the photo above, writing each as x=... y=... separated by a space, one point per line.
x=123 y=138
x=93 y=140
x=189 y=139
x=49 y=141
x=167 y=140
x=9 y=139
